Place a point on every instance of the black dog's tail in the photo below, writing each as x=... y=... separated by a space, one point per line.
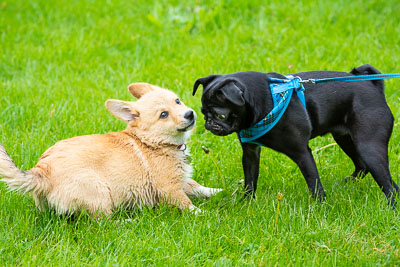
x=366 y=70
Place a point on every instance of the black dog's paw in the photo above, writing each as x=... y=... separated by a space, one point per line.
x=249 y=194
x=320 y=196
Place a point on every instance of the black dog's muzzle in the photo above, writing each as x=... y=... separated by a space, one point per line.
x=215 y=128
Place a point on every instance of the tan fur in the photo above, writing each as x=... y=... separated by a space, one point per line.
x=140 y=166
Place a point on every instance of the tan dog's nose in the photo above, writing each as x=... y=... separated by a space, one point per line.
x=189 y=115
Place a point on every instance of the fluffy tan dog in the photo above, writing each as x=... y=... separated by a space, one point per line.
x=143 y=165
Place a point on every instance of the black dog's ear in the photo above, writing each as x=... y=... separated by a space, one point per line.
x=232 y=93
x=204 y=81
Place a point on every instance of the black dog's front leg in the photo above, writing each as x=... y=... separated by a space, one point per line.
x=251 y=165
x=306 y=163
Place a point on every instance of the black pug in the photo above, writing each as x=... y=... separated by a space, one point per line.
x=355 y=113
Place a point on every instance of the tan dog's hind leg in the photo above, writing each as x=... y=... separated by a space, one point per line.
x=40 y=201
x=85 y=193
x=192 y=188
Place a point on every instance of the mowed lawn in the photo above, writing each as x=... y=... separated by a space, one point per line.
x=61 y=60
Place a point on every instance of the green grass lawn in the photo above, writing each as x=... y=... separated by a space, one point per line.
x=61 y=60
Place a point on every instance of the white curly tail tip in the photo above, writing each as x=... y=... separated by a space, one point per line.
x=8 y=170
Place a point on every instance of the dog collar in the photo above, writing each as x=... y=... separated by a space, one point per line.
x=281 y=92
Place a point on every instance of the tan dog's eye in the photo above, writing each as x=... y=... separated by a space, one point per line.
x=221 y=116
x=177 y=101
x=164 y=115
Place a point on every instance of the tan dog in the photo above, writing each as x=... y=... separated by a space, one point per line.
x=143 y=165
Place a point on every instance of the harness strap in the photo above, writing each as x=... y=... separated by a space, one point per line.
x=281 y=92
x=281 y=85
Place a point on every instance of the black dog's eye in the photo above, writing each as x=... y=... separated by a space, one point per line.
x=164 y=115
x=221 y=116
x=177 y=101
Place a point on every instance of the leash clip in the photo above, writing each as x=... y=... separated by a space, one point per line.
x=307 y=81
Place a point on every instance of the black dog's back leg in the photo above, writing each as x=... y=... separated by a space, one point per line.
x=347 y=145
x=371 y=143
x=305 y=160
x=376 y=160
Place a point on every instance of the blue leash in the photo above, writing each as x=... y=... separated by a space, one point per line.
x=371 y=77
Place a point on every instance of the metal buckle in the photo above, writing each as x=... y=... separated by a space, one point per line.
x=307 y=81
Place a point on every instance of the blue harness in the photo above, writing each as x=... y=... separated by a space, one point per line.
x=282 y=91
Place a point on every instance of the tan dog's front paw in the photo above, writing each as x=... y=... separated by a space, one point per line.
x=195 y=210
x=214 y=191
x=206 y=192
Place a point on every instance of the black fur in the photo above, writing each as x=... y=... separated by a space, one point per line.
x=355 y=113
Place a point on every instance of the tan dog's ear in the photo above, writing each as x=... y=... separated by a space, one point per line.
x=122 y=110
x=139 y=89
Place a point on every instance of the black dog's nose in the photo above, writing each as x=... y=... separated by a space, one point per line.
x=189 y=115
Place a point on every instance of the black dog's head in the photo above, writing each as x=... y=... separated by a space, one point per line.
x=223 y=103
x=234 y=101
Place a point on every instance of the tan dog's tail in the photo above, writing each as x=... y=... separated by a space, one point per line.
x=16 y=179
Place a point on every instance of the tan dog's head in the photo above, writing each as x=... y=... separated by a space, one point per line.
x=157 y=117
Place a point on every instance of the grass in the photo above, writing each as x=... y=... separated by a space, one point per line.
x=61 y=60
